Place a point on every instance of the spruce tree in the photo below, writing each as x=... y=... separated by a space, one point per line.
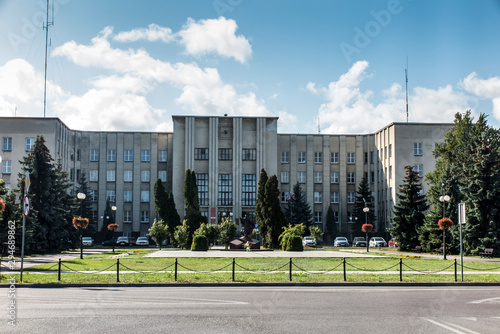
x=331 y=223
x=298 y=210
x=260 y=202
x=161 y=206
x=273 y=217
x=192 y=214
x=408 y=213
x=172 y=218
x=364 y=199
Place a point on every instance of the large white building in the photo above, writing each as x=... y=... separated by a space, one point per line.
x=227 y=154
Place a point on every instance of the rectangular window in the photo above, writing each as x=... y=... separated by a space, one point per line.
x=145 y=155
x=334 y=197
x=248 y=189
x=351 y=197
x=110 y=175
x=285 y=196
x=334 y=157
x=110 y=195
x=202 y=184
x=390 y=172
x=201 y=154
x=78 y=155
x=162 y=175
x=417 y=148
x=6 y=167
x=249 y=154
x=145 y=196
x=93 y=195
x=372 y=177
x=145 y=176
x=111 y=155
x=94 y=155
x=144 y=216
x=127 y=176
x=390 y=150
x=225 y=191
x=318 y=197
x=7 y=144
x=129 y=155
x=225 y=154
x=419 y=169
x=127 y=216
x=318 y=157
x=78 y=175
x=285 y=177
x=318 y=219
x=351 y=158
x=162 y=156
x=351 y=177
x=301 y=157
x=385 y=153
x=366 y=158
x=301 y=177
x=285 y=157
x=336 y=216
x=127 y=196
x=318 y=177
x=93 y=175
x=30 y=142
x=334 y=177
x=372 y=157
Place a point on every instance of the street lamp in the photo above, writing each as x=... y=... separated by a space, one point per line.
x=81 y=196
x=113 y=208
x=443 y=199
x=366 y=210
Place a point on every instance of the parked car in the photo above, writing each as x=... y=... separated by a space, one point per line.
x=125 y=241
x=358 y=242
x=392 y=243
x=142 y=241
x=378 y=242
x=309 y=241
x=108 y=242
x=87 y=241
x=340 y=242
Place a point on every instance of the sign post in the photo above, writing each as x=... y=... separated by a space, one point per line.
x=26 y=211
x=461 y=221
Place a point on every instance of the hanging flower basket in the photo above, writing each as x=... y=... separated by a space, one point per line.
x=445 y=223
x=367 y=228
x=79 y=222
x=113 y=227
x=2 y=205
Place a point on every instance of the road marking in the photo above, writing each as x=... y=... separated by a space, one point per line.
x=462 y=328
x=487 y=300
x=469 y=318
x=451 y=329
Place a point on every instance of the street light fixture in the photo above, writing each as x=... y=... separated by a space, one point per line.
x=443 y=199
x=113 y=208
x=366 y=210
x=81 y=196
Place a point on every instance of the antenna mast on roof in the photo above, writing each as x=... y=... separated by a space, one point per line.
x=319 y=131
x=46 y=27
x=406 y=80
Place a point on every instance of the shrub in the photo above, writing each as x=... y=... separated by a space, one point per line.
x=291 y=242
x=200 y=243
x=316 y=233
x=181 y=234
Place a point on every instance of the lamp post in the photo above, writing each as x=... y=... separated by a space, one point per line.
x=81 y=196
x=366 y=210
x=113 y=208
x=443 y=199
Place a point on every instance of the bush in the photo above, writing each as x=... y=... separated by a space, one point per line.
x=292 y=243
x=200 y=243
x=181 y=235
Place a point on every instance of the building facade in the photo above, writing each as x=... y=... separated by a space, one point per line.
x=227 y=154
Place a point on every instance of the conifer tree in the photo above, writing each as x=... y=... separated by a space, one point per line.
x=408 y=213
x=260 y=202
x=364 y=199
x=331 y=223
x=273 y=217
x=298 y=210
x=192 y=214
x=172 y=218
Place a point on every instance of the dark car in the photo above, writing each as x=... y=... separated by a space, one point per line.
x=358 y=242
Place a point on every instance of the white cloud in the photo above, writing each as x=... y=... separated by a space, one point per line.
x=488 y=88
x=215 y=36
x=348 y=109
x=152 y=34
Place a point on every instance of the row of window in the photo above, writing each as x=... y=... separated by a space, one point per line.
x=318 y=157
x=247 y=154
x=128 y=155
x=225 y=189
x=318 y=177
x=7 y=143
x=127 y=175
x=127 y=196
x=127 y=216
x=318 y=197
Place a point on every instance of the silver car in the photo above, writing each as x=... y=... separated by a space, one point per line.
x=377 y=242
x=340 y=242
x=87 y=241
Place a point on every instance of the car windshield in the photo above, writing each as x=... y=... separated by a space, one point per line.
x=379 y=239
x=87 y=238
x=342 y=239
x=308 y=238
x=142 y=238
x=122 y=238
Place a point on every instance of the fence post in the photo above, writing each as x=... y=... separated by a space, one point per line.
x=118 y=270
x=59 y=271
x=290 y=270
x=345 y=277
x=175 y=275
x=401 y=270
x=455 y=270
x=234 y=264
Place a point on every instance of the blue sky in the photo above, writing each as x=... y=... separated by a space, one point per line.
x=130 y=65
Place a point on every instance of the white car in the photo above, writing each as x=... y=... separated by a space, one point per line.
x=377 y=242
x=309 y=241
x=87 y=241
x=340 y=242
x=142 y=241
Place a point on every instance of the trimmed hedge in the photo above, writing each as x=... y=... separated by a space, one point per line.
x=200 y=243
x=292 y=243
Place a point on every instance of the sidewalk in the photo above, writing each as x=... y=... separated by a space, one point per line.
x=50 y=258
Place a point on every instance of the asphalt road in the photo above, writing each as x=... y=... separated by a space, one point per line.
x=254 y=310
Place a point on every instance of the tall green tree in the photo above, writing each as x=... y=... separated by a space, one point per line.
x=298 y=210
x=408 y=213
x=161 y=200
x=364 y=199
x=260 y=201
x=192 y=214
x=331 y=223
x=273 y=217
x=172 y=218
